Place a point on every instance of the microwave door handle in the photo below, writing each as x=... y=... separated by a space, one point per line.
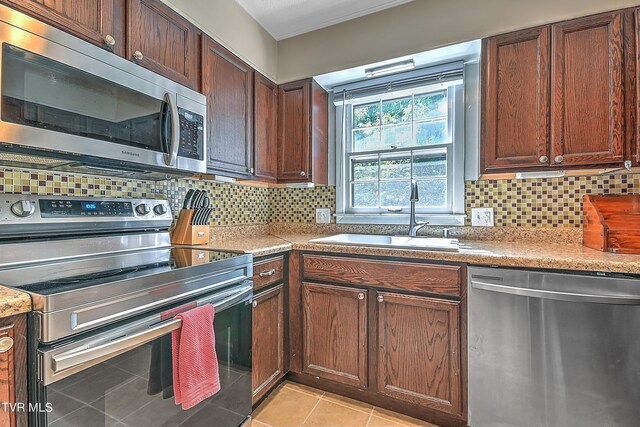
x=164 y=130
x=81 y=356
x=171 y=154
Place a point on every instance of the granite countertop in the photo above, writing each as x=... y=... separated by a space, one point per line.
x=13 y=302
x=258 y=246
x=564 y=256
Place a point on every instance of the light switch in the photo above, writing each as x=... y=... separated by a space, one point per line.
x=323 y=215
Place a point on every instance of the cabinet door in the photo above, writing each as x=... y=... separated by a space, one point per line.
x=13 y=369
x=516 y=100
x=334 y=329
x=587 y=110
x=293 y=131
x=265 y=139
x=418 y=350
x=161 y=40
x=268 y=340
x=227 y=83
x=96 y=21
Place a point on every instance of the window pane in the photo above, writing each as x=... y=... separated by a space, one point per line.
x=430 y=106
x=395 y=193
x=398 y=136
x=364 y=169
x=429 y=165
x=365 y=195
x=396 y=110
x=433 y=193
x=430 y=133
x=366 y=115
x=394 y=166
x=366 y=139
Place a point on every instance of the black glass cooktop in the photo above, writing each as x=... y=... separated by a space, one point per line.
x=99 y=271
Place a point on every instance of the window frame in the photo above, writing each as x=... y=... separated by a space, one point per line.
x=453 y=212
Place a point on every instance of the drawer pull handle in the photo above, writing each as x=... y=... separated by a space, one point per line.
x=380 y=298
x=268 y=273
x=361 y=296
x=5 y=344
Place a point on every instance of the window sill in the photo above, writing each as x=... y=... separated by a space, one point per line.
x=401 y=219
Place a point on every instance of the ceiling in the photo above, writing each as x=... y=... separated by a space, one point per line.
x=288 y=18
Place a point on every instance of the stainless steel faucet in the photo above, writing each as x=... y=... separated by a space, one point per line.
x=413 y=225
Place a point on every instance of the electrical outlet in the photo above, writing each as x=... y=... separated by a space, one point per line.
x=323 y=215
x=482 y=217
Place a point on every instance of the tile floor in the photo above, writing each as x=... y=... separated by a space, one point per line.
x=294 y=405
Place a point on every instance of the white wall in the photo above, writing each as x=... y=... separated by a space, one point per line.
x=229 y=24
x=419 y=26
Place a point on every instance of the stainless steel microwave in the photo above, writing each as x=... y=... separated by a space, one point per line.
x=70 y=106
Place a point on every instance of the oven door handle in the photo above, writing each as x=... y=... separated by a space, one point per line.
x=83 y=355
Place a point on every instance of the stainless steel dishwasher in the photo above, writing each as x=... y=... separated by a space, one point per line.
x=553 y=349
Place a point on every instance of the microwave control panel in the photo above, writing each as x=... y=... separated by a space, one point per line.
x=191 y=135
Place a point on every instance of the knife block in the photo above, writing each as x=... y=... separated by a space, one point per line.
x=186 y=234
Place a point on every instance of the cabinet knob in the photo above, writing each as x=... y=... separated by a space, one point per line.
x=251 y=170
x=559 y=159
x=303 y=173
x=543 y=159
x=254 y=304
x=380 y=298
x=5 y=344
x=109 y=40
x=137 y=55
x=361 y=296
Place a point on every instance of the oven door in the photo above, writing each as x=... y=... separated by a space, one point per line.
x=79 y=102
x=123 y=375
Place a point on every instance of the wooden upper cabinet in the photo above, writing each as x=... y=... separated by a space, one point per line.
x=227 y=83
x=96 y=21
x=265 y=140
x=334 y=333
x=516 y=100
x=588 y=91
x=302 y=132
x=163 y=41
x=268 y=340
x=419 y=351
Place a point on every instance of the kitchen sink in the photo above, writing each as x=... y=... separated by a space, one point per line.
x=402 y=242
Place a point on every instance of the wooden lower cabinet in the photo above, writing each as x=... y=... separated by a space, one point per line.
x=354 y=333
x=13 y=369
x=418 y=350
x=334 y=331
x=268 y=340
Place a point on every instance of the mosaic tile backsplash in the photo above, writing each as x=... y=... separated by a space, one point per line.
x=542 y=202
x=233 y=204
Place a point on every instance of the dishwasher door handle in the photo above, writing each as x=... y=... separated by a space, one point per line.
x=556 y=295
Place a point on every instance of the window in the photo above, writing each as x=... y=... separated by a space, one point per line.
x=392 y=139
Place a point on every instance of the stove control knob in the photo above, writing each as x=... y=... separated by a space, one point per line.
x=143 y=209
x=23 y=208
x=160 y=209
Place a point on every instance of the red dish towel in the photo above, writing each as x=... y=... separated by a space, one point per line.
x=195 y=364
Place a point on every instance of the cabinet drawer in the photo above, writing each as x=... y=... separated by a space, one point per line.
x=402 y=275
x=267 y=272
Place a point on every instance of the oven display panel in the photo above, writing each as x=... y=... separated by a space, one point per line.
x=80 y=208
